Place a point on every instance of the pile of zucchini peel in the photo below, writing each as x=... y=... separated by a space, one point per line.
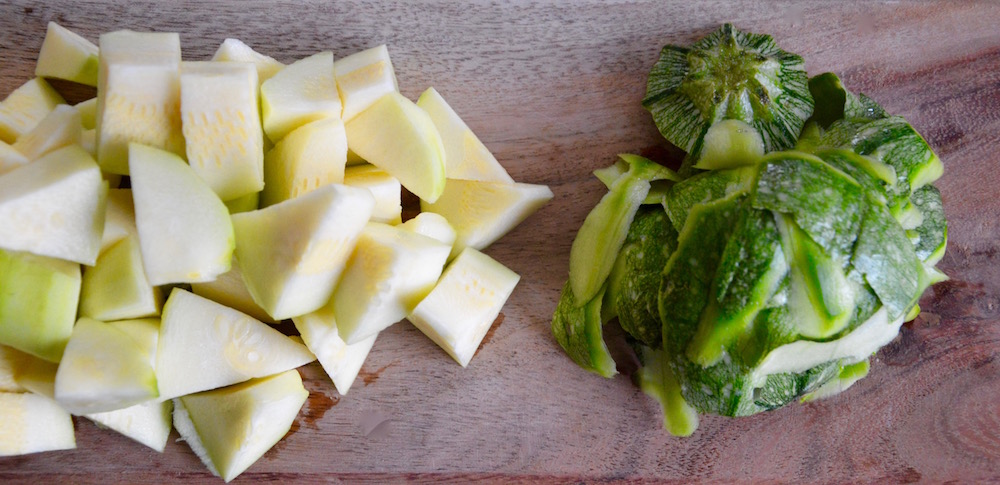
x=795 y=239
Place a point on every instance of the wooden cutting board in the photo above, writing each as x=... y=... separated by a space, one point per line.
x=553 y=88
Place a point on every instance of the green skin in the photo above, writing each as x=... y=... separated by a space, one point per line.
x=888 y=260
x=733 y=312
x=729 y=74
x=846 y=377
x=650 y=242
x=659 y=382
x=825 y=202
x=892 y=141
x=931 y=236
x=578 y=329
x=834 y=102
x=603 y=232
x=803 y=245
x=703 y=187
x=750 y=270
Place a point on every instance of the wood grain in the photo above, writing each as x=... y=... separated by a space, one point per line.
x=553 y=88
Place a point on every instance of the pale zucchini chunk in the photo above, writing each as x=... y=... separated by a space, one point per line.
x=119 y=217
x=308 y=158
x=354 y=158
x=67 y=55
x=204 y=345
x=465 y=156
x=292 y=254
x=103 y=369
x=231 y=428
x=10 y=158
x=60 y=128
x=231 y=290
x=463 y=305
x=246 y=203
x=363 y=78
x=88 y=113
x=221 y=125
x=25 y=107
x=234 y=50
x=32 y=424
x=116 y=287
x=145 y=332
x=384 y=187
x=139 y=96
x=400 y=138
x=148 y=423
x=54 y=206
x=340 y=361
x=88 y=141
x=185 y=232
x=391 y=270
x=304 y=91
x=12 y=361
x=432 y=225
x=38 y=376
x=482 y=212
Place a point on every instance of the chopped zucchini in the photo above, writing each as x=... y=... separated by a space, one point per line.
x=578 y=329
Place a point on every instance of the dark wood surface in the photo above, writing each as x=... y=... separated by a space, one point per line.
x=553 y=88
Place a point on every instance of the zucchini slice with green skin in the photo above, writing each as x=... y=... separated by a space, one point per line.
x=701 y=188
x=781 y=389
x=685 y=289
x=651 y=170
x=648 y=169
x=579 y=330
x=730 y=144
x=888 y=261
x=659 y=185
x=866 y=108
x=728 y=75
x=894 y=142
x=830 y=99
x=650 y=242
x=603 y=232
x=825 y=202
x=659 y=382
x=931 y=237
x=772 y=327
x=608 y=175
x=820 y=296
x=878 y=179
x=834 y=102
x=847 y=375
x=752 y=268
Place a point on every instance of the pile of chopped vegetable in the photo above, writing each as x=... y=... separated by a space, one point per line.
x=795 y=239
x=150 y=234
